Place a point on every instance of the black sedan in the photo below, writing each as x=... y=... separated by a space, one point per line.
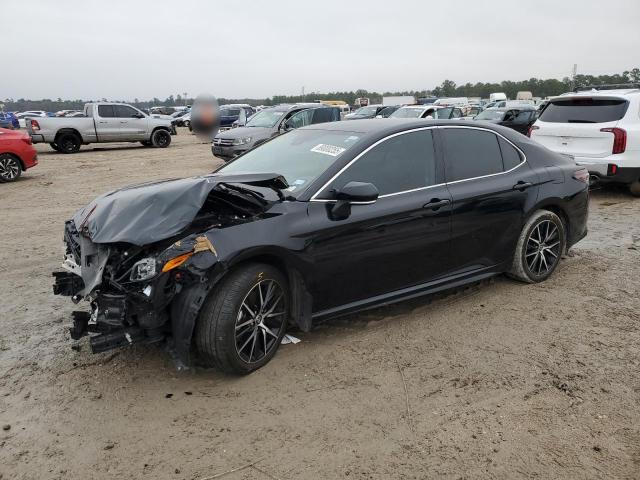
x=519 y=119
x=318 y=222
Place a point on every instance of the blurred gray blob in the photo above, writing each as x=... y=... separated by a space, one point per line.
x=205 y=116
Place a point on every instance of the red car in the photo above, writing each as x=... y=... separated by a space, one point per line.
x=16 y=154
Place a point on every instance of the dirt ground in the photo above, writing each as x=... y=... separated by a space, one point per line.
x=501 y=380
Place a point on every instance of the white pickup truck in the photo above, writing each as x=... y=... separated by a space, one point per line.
x=102 y=122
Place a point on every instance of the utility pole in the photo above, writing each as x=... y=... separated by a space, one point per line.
x=303 y=93
x=573 y=76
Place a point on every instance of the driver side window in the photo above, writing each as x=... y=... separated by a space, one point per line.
x=398 y=164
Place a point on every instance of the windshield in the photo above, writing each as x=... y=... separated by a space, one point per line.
x=365 y=111
x=300 y=156
x=405 y=112
x=265 y=118
x=490 y=115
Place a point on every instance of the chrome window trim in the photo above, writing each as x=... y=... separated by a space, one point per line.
x=320 y=200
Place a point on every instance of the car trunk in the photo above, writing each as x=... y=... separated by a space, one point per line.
x=574 y=125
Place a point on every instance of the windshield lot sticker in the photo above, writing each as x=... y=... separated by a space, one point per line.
x=328 y=149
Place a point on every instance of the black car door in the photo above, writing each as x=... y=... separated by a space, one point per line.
x=399 y=241
x=491 y=187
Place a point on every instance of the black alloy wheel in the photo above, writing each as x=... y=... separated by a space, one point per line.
x=541 y=243
x=543 y=248
x=260 y=321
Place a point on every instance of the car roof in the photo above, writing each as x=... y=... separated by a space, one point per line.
x=386 y=126
x=623 y=92
x=515 y=107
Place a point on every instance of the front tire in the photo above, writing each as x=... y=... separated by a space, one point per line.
x=540 y=246
x=242 y=323
x=161 y=139
x=68 y=143
x=10 y=168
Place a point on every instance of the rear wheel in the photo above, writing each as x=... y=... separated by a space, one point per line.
x=540 y=246
x=54 y=146
x=634 y=188
x=10 y=168
x=161 y=139
x=244 y=319
x=68 y=143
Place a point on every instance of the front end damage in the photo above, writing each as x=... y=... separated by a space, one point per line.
x=141 y=292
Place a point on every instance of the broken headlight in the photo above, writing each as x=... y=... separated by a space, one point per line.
x=143 y=269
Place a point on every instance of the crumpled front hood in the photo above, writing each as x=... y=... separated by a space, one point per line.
x=150 y=212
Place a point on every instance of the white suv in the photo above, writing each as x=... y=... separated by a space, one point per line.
x=600 y=129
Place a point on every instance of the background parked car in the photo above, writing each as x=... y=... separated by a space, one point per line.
x=269 y=123
x=427 y=111
x=22 y=116
x=519 y=119
x=103 y=122
x=370 y=111
x=9 y=120
x=231 y=113
x=387 y=111
x=600 y=128
x=16 y=154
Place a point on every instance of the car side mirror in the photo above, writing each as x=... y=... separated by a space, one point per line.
x=352 y=192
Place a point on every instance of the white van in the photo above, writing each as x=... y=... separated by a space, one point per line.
x=496 y=97
x=600 y=128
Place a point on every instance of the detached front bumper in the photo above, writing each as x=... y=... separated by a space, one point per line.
x=116 y=319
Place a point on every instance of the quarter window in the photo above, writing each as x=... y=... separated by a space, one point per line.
x=510 y=156
x=401 y=163
x=470 y=153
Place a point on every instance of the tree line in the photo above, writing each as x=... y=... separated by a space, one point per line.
x=448 y=88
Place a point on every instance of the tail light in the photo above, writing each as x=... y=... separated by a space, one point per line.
x=581 y=175
x=619 y=139
x=35 y=125
x=531 y=129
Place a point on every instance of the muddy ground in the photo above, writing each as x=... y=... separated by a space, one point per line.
x=502 y=380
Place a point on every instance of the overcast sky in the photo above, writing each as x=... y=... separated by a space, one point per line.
x=240 y=48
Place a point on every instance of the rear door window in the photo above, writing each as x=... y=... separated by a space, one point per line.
x=584 y=110
x=106 y=111
x=470 y=153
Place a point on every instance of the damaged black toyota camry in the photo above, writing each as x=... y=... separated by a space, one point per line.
x=319 y=222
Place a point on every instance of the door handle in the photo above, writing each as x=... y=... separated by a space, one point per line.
x=522 y=186
x=123 y=121
x=436 y=204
